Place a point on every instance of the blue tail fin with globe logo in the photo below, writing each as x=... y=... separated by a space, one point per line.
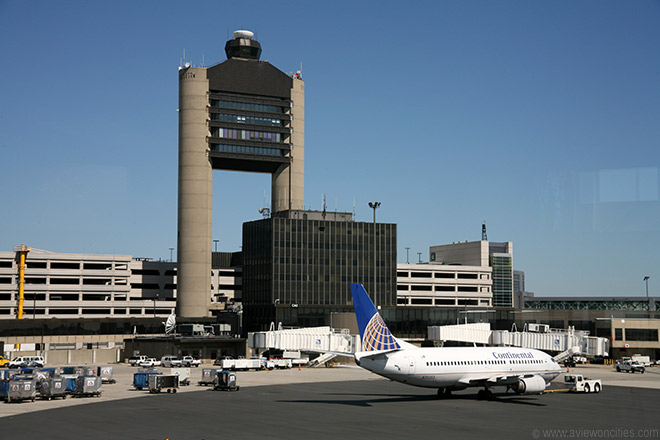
x=374 y=333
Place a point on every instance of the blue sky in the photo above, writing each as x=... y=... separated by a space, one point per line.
x=542 y=118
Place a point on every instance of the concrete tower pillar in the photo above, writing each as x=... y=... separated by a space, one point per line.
x=289 y=180
x=195 y=196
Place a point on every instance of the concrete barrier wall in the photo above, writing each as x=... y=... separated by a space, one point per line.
x=75 y=357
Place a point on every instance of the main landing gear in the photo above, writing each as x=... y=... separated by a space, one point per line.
x=444 y=393
x=485 y=394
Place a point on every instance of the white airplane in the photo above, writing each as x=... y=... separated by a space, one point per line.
x=522 y=370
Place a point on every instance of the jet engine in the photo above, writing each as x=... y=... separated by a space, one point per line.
x=529 y=385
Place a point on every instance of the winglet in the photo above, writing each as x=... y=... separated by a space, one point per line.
x=374 y=333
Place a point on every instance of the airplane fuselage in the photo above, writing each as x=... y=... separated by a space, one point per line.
x=461 y=367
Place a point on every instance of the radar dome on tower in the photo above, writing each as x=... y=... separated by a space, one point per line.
x=243 y=46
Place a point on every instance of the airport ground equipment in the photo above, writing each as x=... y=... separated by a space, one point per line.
x=87 y=386
x=21 y=388
x=159 y=382
x=140 y=378
x=70 y=382
x=629 y=367
x=208 y=376
x=580 y=384
x=225 y=381
x=52 y=387
x=105 y=373
x=184 y=375
x=189 y=361
x=9 y=373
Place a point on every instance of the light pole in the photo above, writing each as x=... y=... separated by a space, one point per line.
x=646 y=278
x=407 y=255
x=155 y=298
x=215 y=242
x=374 y=206
x=419 y=255
x=171 y=251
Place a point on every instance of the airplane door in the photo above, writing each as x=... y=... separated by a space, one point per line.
x=411 y=365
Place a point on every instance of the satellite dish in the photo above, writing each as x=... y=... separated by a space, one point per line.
x=170 y=325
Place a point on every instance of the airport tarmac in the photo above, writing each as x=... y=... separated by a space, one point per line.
x=349 y=402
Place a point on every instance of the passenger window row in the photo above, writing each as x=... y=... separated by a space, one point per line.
x=488 y=362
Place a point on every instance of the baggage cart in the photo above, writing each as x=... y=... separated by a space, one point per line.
x=184 y=375
x=140 y=379
x=21 y=388
x=85 y=371
x=225 y=381
x=88 y=386
x=105 y=373
x=9 y=373
x=208 y=376
x=52 y=387
x=70 y=382
x=159 y=382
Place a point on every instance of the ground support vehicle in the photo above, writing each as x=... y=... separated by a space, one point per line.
x=170 y=361
x=159 y=382
x=52 y=387
x=27 y=361
x=87 y=386
x=134 y=361
x=150 y=362
x=105 y=373
x=189 y=361
x=280 y=363
x=629 y=367
x=21 y=388
x=184 y=375
x=4 y=362
x=225 y=381
x=208 y=376
x=141 y=378
x=580 y=384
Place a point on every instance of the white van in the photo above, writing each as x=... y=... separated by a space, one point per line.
x=170 y=361
x=27 y=361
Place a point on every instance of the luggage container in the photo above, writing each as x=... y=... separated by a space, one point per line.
x=225 y=381
x=105 y=373
x=184 y=375
x=69 y=370
x=70 y=382
x=140 y=379
x=9 y=373
x=4 y=386
x=87 y=386
x=21 y=388
x=85 y=371
x=208 y=376
x=159 y=382
x=52 y=387
x=51 y=372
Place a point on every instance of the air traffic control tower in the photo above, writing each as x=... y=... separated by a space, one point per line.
x=242 y=115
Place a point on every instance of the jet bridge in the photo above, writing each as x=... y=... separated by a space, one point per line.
x=314 y=339
x=543 y=338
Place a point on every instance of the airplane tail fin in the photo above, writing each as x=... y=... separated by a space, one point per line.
x=374 y=333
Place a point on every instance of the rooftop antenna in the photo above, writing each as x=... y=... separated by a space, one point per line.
x=353 y=207
x=484 y=236
x=324 y=207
